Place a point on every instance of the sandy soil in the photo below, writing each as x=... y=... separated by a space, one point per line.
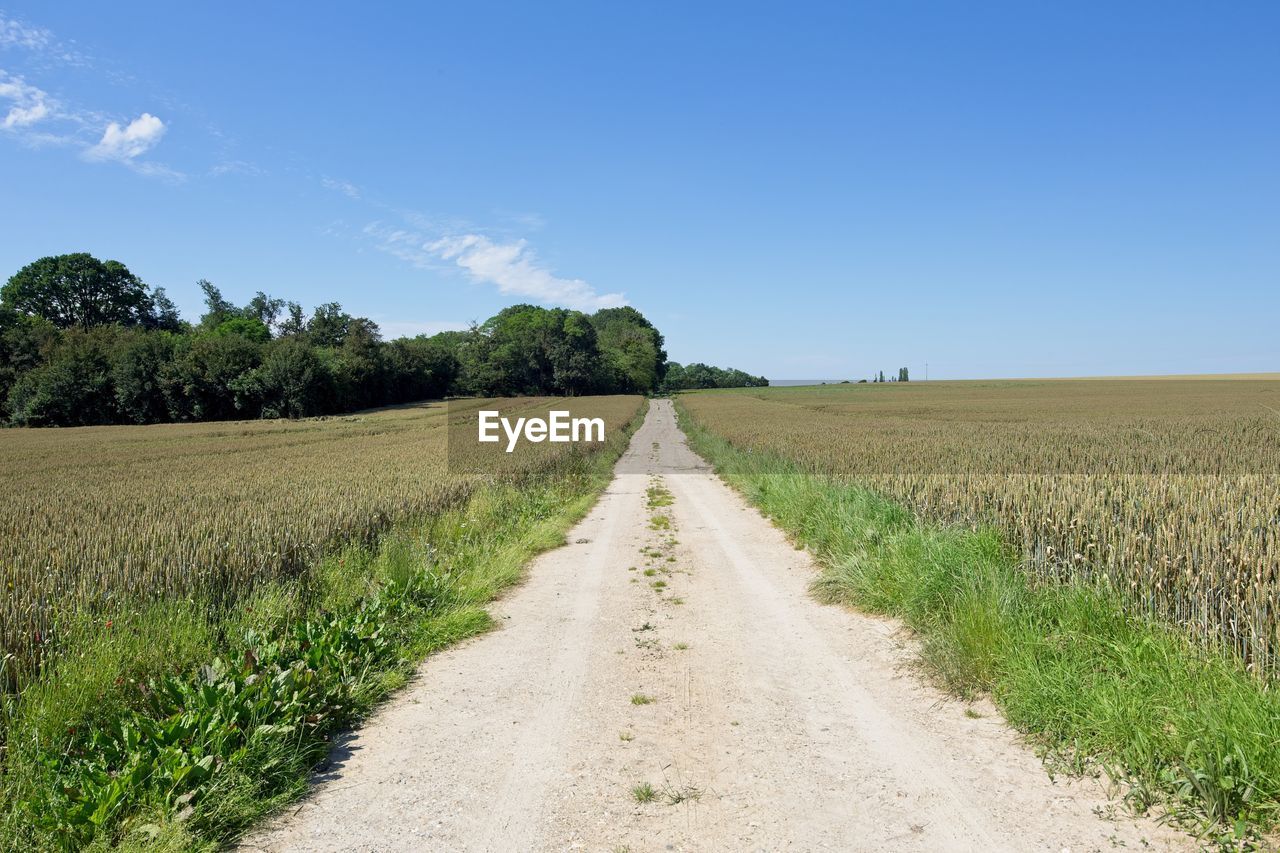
x=775 y=722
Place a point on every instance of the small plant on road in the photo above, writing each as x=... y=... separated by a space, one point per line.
x=641 y=699
x=676 y=796
x=644 y=793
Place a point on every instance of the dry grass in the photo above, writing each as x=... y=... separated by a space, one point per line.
x=1166 y=490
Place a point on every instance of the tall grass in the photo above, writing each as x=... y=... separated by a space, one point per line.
x=1180 y=725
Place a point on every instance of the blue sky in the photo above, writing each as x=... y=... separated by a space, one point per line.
x=798 y=190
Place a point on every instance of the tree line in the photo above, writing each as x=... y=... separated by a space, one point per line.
x=694 y=376
x=84 y=341
x=904 y=375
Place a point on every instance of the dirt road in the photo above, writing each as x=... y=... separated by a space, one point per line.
x=772 y=722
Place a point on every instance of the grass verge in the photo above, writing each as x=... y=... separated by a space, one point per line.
x=1177 y=726
x=165 y=730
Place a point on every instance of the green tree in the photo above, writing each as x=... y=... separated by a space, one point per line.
x=527 y=350
x=328 y=325
x=294 y=322
x=25 y=342
x=78 y=290
x=359 y=371
x=421 y=368
x=73 y=388
x=246 y=327
x=164 y=314
x=200 y=380
x=293 y=381
x=138 y=362
x=217 y=309
x=631 y=349
x=264 y=309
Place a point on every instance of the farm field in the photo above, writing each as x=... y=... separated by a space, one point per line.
x=332 y=553
x=1166 y=490
x=100 y=518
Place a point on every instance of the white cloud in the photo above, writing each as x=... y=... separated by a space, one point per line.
x=29 y=115
x=29 y=103
x=512 y=266
x=123 y=144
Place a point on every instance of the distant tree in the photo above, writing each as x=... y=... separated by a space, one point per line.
x=78 y=290
x=903 y=375
x=697 y=375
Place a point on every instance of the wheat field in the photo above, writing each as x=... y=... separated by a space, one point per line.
x=1168 y=490
x=97 y=518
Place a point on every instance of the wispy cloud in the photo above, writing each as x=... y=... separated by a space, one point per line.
x=17 y=34
x=237 y=167
x=28 y=104
x=347 y=188
x=40 y=42
x=512 y=266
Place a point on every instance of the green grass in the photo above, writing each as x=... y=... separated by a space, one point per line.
x=173 y=728
x=641 y=699
x=1184 y=728
x=644 y=793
